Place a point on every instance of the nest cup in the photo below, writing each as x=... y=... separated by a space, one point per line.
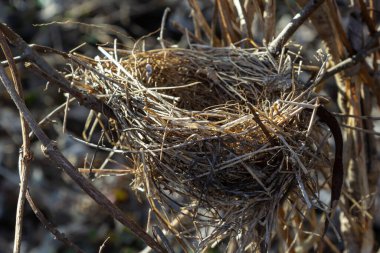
x=219 y=137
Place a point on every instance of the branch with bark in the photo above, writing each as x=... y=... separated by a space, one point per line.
x=49 y=147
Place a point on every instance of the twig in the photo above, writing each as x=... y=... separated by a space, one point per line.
x=269 y=16
x=65 y=113
x=280 y=41
x=186 y=32
x=16 y=59
x=51 y=151
x=343 y=115
x=353 y=60
x=161 y=38
x=106 y=172
x=49 y=226
x=24 y=176
x=261 y=124
x=24 y=156
x=201 y=20
x=347 y=63
x=371 y=132
x=158 y=233
x=52 y=75
x=52 y=113
x=103 y=244
x=367 y=18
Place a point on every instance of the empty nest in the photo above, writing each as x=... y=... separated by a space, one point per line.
x=220 y=138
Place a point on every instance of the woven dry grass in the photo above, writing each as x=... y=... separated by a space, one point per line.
x=220 y=138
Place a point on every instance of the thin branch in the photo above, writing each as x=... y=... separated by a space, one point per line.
x=24 y=170
x=186 y=32
x=52 y=114
x=51 y=151
x=355 y=59
x=24 y=157
x=367 y=17
x=49 y=226
x=47 y=71
x=106 y=172
x=163 y=21
x=158 y=233
x=343 y=115
x=261 y=124
x=347 y=63
x=371 y=132
x=280 y=41
x=52 y=79
x=269 y=16
x=16 y=59
x=103 y=245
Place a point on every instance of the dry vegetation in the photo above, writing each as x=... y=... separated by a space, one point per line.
x=228 y=156
x=226 y=139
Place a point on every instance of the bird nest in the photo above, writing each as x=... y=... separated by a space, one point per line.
x=221 y=138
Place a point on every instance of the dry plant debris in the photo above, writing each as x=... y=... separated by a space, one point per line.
x=221 y=138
